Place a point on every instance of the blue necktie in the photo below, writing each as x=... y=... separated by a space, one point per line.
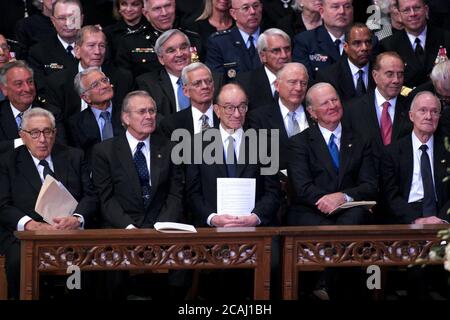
x=429 y=199
x=142 y=171
x=183 y=101
x=334 y=151
x=251 y=47
x=107 y=130
x=19 y=120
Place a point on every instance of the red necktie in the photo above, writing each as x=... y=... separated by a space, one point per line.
x=386 y=124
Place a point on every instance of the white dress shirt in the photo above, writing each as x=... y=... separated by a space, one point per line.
x=422 y=36
x=272 y=77
x=299 y=112
x=341 y=45
x=327 y=134
x=355 y=75
x=173 y=81
x=379 y=100
x=18 y=141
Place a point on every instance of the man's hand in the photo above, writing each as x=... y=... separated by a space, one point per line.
x=66 y=223
x=429 y=220
x=329 y=202
x=227 y=220
x=35 y=226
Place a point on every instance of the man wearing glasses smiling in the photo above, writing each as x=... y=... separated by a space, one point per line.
x=418 y=44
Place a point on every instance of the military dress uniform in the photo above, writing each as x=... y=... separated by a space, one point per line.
x=137 y=52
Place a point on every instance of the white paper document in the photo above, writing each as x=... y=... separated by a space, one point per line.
x=236 y=196
x=174 y=227
x=366 y=204
x=54 y=200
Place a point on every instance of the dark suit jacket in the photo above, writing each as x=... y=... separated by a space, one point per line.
x=270 y=117
x=201 y=185
x=20 y=185
x=8 y=125
x=312 y=175
x=416 y=73
x=84 y=133
x=257 y=86
x=181 y=120
x=61 y=91
x=340 y=76
x=226 y=50
x=117 y=184
x=360 y=114
x=158 y=85
x=397 y=167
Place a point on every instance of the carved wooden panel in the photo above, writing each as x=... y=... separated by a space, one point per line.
x=347 y=253
x=135 y=256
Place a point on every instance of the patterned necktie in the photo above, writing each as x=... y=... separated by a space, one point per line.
x=293 y=125
x=107 y=130
x=337 y=44
x=386 y=124
x=231 y=160
x=19 y=120
x=334 y=151
x=360 y=86
x=429 y=199
x=47 y=169
x=183 y=101
x=205 y=124
x=419 y=52
x=251 y=47
x=144 y=176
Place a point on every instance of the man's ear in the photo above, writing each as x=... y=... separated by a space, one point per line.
x=216 y=110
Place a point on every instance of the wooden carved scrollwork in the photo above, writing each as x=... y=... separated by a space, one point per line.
x=117 y=256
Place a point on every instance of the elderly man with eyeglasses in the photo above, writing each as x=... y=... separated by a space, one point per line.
x=22 y=172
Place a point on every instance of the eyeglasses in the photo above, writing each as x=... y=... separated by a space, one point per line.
x=198 y=83
x=144 y=111
x=35 y=133
x=229 y=109
x=246 y=8
x=277 y=51
x=414 y=9
x=96 y=84
x=173 y=50
x=4 y=47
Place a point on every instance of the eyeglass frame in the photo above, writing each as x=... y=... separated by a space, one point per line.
x=414 y=9
x=277 y=50
x=96 y=83
x=228 y=107
x=246 y=8
x=47 y=132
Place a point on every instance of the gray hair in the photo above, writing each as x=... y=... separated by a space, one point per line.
x=13 y=64
x=34 y=113
x=165 y=36
x=441 y=74
x=136 y=93
x=79 y=38
x=309 y=94
x=77 y=81
x=191 y=67
x=261 y=44
x=421 y=93
x=289 y=65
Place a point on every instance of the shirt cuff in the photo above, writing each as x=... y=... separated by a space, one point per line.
x=130 y=226
x=81 y=220
x=22 y=222
x=348 y=198
x=208 y=221
x=18 y=142
x=259 y=220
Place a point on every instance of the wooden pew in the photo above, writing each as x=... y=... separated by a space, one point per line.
x=309 y=248
x=3 y=283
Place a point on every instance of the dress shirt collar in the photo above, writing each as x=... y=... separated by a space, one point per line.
x=133 y=142
x=354 y=69
x=379 y=99
x=272 y=77
x=245 y=36
x=173 y=79
x=196 y=117
x=333 y=39
x=416 y=143
x=284 y=110
x=327 y=134
x=422 y=36
x=97 y=112
x=66 y=44
x=15 y=111
x=39 y=168
x=237 y=135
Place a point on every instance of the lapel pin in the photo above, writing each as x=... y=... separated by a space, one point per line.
x=443 y=161
x=237 y=43
x=147 y=37
x=159 y=155
x=350 y=145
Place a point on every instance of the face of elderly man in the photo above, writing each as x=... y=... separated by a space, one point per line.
x=19 y=88
x=337 y=14
x=41 y=146
x=67 y=20
x=231 y=107
x=99 y=91
x=247 y=14
x=160 y=13
x=91 y=51
x=277 y=53
x=4 y=51
x=389 y=77
x=175 y=54
x=414 y=15
x=326 y=106
x=292 y=85
x=200 y=88
x=140 y=118
x=425 y=114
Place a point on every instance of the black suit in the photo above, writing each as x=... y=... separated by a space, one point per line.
x=61 y=91
x=397 y=167
x=312 y=175
x=117 y=184
x=8 y=124
x=19 y=188
x=201 y=185
x=159 y=86
x=270 y=117
x=416 y=73
x=257 y=86
x=83 y=130
x=339 y=75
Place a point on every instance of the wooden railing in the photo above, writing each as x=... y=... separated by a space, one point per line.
x=3 y=283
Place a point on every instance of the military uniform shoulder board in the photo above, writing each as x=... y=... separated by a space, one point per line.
x=405 y=91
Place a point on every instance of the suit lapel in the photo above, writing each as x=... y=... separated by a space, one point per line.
x=431 y=47
x=320 y=148
x=89 y=124
x=406 y=51
x=60 y=164
x=371 y=116
x=8 y=122
x=346 y=84
x=440 y=166
x=399 y=117
x=26 y=166
x=157 y=159
x=327 y=45
x=241 y=50
x=345 y=153
x=167 y=87
x=126 y=159
x=407 y=161
x=276 y=121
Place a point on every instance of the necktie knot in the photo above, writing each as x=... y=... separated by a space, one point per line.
x=139 y=146
x=47 y=169
x=69 y=49
x=205 y=124
x=417 y=41
x=19 y=120
x=251 y=47
x=423 y=148
x=107 y=130
x=337 y=43
x=105 y=115
x=179 y=82
x=386 y=105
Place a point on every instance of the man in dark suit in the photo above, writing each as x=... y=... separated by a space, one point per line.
x=274 y=49
x=371 y=117
x=198 y=86
x=351 y=74
x=22 y=172
x=101 y=119
x=90 y=49
x=418 y=44
x=234 y=50
x=329 y=165
x=17 y=85
x=56 y=53
x=288 y=114
x=323 y=46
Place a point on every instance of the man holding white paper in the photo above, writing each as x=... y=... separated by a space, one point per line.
x=22 y=172
x=204 y=180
